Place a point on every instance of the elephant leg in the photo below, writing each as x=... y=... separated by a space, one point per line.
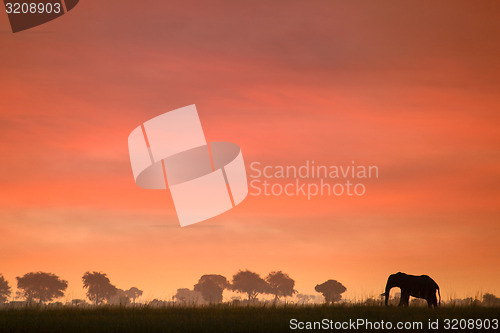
x=432 y=301
x=405 y=298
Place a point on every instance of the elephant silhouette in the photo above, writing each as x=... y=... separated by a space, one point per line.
x=417 y=286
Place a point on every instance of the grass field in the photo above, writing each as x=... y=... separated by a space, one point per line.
x=227 y=318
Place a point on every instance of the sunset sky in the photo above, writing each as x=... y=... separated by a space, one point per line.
x=411 y=87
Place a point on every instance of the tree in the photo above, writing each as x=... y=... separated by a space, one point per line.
x=304 y=299
x=418 y=302
x=281 y=284
x=120 y=297
x=370 y=301
x=396 y=299
x=331 y=290
x=41 y=286
x=490 y=300
x=249 y=283
x=211 y=287
x=133 y=293
x=98 y=286
x=187 y=296
x=124 y=297
x=4 y=289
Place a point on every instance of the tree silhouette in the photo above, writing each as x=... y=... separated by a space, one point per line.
x=124 y=297
x=281 y=284
x=331 y=290
x=304 y=298
x=4 y=289
x=490 y=300
x=396 y=299
x=41 y=286
x=211 y=287
x=133 y=293
x=98 y=286
x=187 y=296
x=120 y=297
x=249 y=283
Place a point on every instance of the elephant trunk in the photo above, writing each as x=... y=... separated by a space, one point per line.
x=386 y=294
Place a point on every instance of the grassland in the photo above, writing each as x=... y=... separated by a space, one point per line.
x=223 y=318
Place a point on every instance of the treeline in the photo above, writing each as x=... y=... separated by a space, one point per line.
x=41 y=287
x=210 y=288
x=44 y=287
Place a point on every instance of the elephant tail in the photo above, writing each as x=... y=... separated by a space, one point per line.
x=439 y=293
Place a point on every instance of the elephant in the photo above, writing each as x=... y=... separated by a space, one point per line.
x=417 y=286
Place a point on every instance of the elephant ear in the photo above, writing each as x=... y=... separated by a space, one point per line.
x=21 y=19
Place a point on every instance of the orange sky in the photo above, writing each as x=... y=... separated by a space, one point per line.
x=409 y=87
